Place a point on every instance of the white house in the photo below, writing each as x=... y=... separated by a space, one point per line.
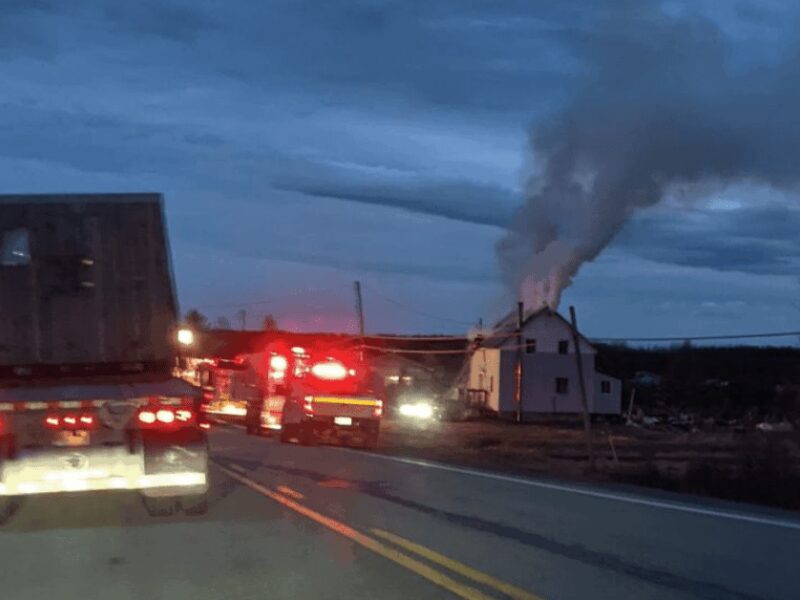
x=549 y=369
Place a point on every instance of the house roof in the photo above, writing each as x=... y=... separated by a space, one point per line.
x=507 y=327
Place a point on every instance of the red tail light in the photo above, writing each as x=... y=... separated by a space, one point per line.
x=378 y=408
x=70 y=422
x=165 y=417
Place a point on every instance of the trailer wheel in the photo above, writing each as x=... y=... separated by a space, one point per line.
x=196 y=504
x=159 y=507
x=9 y=505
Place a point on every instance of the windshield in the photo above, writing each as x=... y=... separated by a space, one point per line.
x=406 y=300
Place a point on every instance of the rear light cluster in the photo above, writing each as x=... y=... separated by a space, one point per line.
x=378 y=408
x=70 y=421
x=165 y=417
x=331 y=370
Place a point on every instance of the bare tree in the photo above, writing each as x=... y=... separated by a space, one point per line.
x=196 y=320
x=270 y=323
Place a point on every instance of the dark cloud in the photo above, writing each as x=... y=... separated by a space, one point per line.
x=757 y=240
x=24 y=31
x=368 y=117
x=465 y=201
x=181 y=23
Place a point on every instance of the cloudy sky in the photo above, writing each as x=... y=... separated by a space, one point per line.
x=303 y=144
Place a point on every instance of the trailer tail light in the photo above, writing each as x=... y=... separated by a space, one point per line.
x=70 y=422
x=378 y=408
x=147 y=417
x=166 y=417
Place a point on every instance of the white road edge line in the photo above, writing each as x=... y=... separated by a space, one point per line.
x=709 y=512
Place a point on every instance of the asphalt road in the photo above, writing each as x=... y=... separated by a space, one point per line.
x=287 y=521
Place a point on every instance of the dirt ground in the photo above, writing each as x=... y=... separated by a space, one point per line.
x=751 y=466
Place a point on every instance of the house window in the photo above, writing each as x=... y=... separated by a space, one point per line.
x=562 y=385
x=605 y=386
x=563 y=346
x=14 y=248
x=530 y=345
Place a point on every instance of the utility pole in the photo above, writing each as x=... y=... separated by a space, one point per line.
x=359 y=314
x=242 y=314
x=587 y=425
x=518 y=366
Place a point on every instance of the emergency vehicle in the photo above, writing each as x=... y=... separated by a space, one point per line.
x=312 y=394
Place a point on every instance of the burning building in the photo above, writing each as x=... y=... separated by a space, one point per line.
x=550 y=383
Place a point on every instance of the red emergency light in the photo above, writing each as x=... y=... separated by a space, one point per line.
x=329 y=370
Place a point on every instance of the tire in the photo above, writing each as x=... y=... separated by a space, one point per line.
x=195 y=505
x=9 y=505
x=159 y=507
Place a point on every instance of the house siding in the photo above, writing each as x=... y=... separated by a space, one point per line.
x=540 y=371
x=611 y=403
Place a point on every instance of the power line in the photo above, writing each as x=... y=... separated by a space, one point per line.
x=690 y=338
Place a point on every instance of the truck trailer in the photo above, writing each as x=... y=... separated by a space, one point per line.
x=88 y=399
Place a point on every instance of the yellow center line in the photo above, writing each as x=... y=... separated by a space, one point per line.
x=421 y=569
x=287 y=491
x=460 y=568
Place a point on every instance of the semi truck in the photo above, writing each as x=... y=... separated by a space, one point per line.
x=88 y=397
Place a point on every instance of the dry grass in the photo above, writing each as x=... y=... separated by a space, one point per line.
x=750 y=467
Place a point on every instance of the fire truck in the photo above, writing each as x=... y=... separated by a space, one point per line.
x=312 y=394
x=222 y=393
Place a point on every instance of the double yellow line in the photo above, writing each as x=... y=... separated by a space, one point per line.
x=390 y=552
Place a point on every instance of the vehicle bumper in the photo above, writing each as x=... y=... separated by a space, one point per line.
x=167 y=471
x=360 y=427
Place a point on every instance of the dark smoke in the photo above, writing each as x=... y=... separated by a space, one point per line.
x=660 y=102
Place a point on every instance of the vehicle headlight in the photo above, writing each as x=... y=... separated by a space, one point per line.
x=418 y=410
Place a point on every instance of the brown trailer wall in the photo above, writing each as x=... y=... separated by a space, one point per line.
x=98 y=287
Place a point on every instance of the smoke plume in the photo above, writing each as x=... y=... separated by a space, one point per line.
x=660 y=101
